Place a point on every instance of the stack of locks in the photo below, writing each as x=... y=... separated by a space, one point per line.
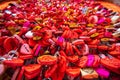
x=59 y=40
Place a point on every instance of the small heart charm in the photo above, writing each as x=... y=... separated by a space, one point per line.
x=29 y=34
x=25 y=49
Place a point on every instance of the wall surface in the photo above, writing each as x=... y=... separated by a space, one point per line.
x=116 y=2
x=112 y=1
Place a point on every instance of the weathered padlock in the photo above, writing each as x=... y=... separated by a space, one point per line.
x=89 y=73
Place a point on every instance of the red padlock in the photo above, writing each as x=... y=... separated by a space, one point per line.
x=76 y=50
x=83 y=49
x=15 y=74
x=78 y=42
x=32 y=42
x=14 y=62
x=21 y=73
x=103 y=47
x=116 y=51
x=50 y=70
x=10 y=43
x=62 y=65
x=96 y=61
x=111 y=63
x=25 y=56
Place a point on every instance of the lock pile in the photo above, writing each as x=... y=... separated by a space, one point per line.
x=59 y=40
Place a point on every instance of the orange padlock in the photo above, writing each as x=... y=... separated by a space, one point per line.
x=47 y=60
x=73 y=58
x=32 y=68
x=31 y=76
x=82 y=62
x=72 y=72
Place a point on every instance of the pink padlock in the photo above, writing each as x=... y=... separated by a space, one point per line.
x=90 y=60
x=100 y=21
x=103 y=72
x=108 y=34
x=25 y=48
x=36 y=49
